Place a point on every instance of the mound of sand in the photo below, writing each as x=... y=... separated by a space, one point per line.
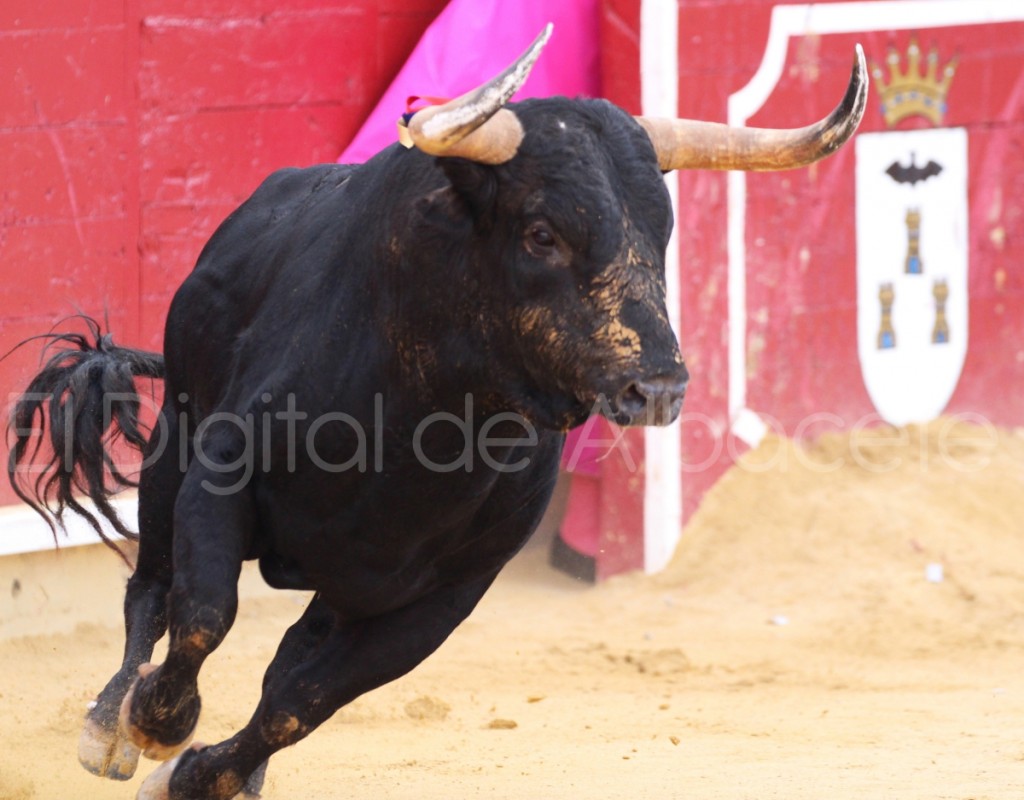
x=885 y=542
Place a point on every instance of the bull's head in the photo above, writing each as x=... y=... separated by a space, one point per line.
x=586 y=216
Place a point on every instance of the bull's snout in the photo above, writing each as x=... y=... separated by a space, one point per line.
x=651 y=401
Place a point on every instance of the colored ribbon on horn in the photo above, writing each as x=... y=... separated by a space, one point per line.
x=410 y=108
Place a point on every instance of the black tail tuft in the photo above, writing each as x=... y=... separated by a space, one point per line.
x=84 y=390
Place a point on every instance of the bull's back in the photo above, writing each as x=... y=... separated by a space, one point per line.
x=259 y=269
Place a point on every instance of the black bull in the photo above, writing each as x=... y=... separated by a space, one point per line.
x=368 y=377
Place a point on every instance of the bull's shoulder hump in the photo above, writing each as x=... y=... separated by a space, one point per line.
x=303 y=180
x=272 y=210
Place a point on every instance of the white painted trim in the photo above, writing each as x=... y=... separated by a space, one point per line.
x=659 y=96
x=736 y=287
x=22 y=530
x=800 y=20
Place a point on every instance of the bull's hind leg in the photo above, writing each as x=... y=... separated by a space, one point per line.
x=339 y=661
x=103 y=748
x=212 y=533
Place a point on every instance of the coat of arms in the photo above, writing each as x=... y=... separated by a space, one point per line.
x=912 y=244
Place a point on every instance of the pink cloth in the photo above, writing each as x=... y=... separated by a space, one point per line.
x=472 y=41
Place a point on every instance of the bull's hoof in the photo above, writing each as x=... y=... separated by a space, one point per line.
x=157 y=785
x=106 y=753
x=150 y=746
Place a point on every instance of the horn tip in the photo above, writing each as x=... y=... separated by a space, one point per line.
x=859 y=59
x=543 y=36
x=862 y=73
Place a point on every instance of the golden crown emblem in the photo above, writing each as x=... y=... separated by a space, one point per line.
x=915 y=91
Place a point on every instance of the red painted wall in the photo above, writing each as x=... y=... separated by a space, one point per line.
x=986 y=98
x=130 y=128
x=801 y=268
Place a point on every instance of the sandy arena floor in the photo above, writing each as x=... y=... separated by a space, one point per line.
x=794 y=649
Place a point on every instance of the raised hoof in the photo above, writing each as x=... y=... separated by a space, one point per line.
x=105 y=753
x=150 y=747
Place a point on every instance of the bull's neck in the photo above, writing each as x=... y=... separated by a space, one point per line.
x=442 y=337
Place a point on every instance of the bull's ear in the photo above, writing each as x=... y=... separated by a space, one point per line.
x=476 y=184
x=444 y=208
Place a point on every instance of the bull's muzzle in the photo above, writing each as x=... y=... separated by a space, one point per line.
x=651 y=400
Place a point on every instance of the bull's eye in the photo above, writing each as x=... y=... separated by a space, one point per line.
x=540 y=239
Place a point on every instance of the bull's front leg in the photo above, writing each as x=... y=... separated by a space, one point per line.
x=339 y=661
x=103 y=748
x=213 y=524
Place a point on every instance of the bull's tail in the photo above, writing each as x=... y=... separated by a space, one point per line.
x=86 y=396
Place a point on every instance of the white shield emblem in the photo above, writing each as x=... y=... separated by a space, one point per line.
x=911 y=269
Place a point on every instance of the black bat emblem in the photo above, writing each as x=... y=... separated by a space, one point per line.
x=913 y=173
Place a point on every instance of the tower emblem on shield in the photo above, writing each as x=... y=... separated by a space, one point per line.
x=912 y=244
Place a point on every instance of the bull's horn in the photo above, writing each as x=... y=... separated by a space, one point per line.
x=689 y=144
x=475 y=126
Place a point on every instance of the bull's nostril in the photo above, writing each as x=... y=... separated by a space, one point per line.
x=633 y=399
x=656 y=400
x=658 y=388
x=663 y=396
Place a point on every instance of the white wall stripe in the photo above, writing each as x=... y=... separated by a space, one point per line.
x=659 y=96
x=22 y=530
